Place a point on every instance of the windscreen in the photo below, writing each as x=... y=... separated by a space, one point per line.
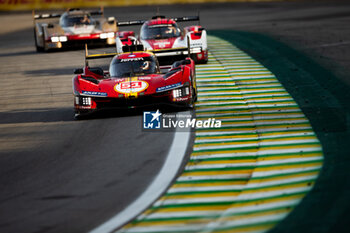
x=132 y=66
x=162 y=31
x=76 y=20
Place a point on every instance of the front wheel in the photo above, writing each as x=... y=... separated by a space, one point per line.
x=37 y=47
x=194 y=94
x=45 y=48
x=191 y=104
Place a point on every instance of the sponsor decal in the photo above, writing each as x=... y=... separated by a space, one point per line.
x=94 y=93
x=132 y=59
x=118 y=80
x=168 y=87
x=145 y=78
x=83 y=107
x=196 y=44
x=130 y=87
x=151 y=120
x=180 y=99
x=157 y=120
x=162 y=44
x=132 y=55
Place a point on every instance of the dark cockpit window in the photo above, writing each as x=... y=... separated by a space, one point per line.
x=159 y=31
x=70 y=20
x=133 y=66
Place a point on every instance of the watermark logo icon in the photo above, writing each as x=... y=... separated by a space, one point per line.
x=152 y=120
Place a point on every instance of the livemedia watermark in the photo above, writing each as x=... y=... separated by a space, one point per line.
x=155 y=120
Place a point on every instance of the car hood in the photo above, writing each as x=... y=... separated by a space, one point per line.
x=162 y=43
x=80 y=29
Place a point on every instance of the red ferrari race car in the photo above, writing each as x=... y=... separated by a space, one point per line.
x=75 y=27
x=133 y=80
x=161 y=34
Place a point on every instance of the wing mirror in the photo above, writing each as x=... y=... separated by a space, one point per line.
x=182 y=34
x=111 y=20
x=179 y=63
x=187 y=62
x=78 y=71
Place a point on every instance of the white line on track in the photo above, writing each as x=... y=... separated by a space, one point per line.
x=159 y=184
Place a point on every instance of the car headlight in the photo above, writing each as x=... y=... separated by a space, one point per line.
x=177 y=93
x=110 y=34
x=103 y=35
x=63 y=38
x=181 y=92
x=85 y=101
x=55 y=39
x=59 y=39
x=107 y=35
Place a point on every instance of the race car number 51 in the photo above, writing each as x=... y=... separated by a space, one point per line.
x=131 y=87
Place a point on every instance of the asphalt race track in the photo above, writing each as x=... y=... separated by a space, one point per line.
x=62 y=175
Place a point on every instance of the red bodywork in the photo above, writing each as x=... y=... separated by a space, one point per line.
x=93 y=36
x=94 y=89
x=169 y=38
x=162 y=43
x=195 y=33
x=126 y=37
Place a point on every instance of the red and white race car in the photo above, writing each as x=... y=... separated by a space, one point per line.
x=75 y=27
x=133 y=80
x=160 y=33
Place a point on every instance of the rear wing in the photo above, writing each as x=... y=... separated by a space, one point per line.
x=126 y=49
x=96 y=56
x=130 y=23
x=45 y=16
x=188 y=18
x=170 y=52
x=167 y=57
x=57 y=15
x=140 y=22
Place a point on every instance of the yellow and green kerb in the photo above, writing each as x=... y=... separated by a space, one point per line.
x=249 y=174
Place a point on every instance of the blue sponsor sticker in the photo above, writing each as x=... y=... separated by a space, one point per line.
x=94 y=93
x=168 y=87
x=151 y=120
